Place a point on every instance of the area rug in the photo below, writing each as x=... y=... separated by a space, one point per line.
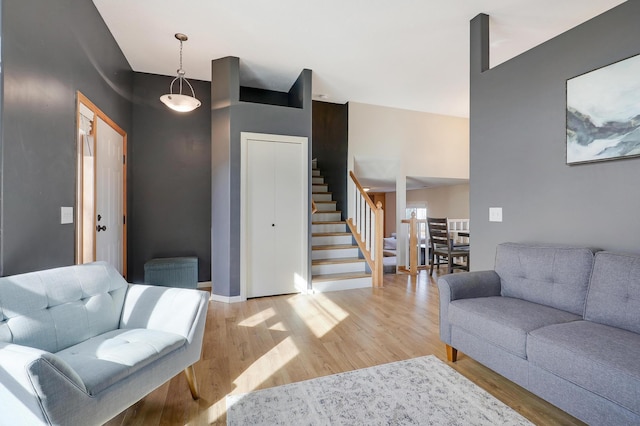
x=419 y=391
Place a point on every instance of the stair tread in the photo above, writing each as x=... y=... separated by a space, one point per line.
x=326 y=202
x=330 y=222
x=330 y=211
x=331 y=234
x=342 y=276
x=335 y=247
x=320 y=192
x=337 y=261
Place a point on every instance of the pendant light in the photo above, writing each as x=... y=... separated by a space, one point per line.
x=178 y=101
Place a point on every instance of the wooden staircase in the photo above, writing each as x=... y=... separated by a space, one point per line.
x=336 y=263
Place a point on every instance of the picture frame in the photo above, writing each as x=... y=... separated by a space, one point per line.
x=603 y=113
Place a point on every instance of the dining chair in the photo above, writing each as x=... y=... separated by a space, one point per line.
x=443 y=251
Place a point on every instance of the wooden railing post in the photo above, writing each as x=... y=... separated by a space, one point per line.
x=378 y=270
x=413 y=245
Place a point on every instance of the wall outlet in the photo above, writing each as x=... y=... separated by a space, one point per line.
x=66 y=215
x=495 y=214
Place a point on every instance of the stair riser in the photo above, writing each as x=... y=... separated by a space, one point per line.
x=315 y=172
x=324 y=286
x=337 y=227
x=317 y=179
x=326 y=207
x=337 y=268
x=321 y=197
x=334 y=254
x=326 y=216
x=331 y=240
x=320 y=188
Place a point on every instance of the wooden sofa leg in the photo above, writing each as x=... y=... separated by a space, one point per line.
x=452 y=354
x=190 y=372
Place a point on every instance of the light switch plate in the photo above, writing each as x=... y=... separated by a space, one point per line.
x=495 y=214
x=66 y=215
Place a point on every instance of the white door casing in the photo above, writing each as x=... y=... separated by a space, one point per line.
x=274 y=214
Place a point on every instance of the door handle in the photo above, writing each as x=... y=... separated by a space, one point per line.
x=101 y=228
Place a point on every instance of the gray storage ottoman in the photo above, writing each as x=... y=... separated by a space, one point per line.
x=172 y=272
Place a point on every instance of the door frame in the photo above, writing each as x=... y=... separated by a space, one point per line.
x=98 y=113
x=244 y=238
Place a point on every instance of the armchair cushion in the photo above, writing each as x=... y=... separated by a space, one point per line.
x=106 y=359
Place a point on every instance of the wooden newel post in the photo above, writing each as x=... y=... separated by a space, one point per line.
x=413 y=245
x=378 y=275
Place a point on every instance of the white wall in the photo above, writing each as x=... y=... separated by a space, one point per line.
x=419 y=143
x=450 y=201
x=443 y=201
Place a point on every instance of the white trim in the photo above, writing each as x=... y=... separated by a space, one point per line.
x=226 y=299
x=304 y=142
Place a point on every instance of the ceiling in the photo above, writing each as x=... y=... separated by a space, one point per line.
x=408 y=54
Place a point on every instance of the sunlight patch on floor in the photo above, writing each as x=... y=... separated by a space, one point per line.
x=263 y=368
x=320 y=313
x=258 y=318
x=278 y=327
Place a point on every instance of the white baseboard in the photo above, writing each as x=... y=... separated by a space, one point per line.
x=226 y=299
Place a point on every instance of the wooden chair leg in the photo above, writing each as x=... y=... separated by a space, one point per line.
x=191 y=379
x=452 y=353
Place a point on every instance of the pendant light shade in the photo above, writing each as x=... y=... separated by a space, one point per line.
x=178 y=101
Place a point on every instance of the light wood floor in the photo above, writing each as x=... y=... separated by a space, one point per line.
x=277 y=340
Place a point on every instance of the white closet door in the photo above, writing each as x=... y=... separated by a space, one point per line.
x=275 y=216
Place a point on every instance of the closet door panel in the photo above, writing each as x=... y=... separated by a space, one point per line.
x=261 y=256
x=289 y=215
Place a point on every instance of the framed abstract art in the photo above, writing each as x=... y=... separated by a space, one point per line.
x=603 y=113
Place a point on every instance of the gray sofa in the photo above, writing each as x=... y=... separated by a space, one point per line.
x=561 y=322
x=78 y=345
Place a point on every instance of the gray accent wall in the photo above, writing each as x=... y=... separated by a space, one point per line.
x=330 y=148
x=170 y=177
x=229 y=117
x=50 y=49
x=517 y=138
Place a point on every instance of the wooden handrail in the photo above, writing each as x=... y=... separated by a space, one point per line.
x=367 y=226
x=362 y=191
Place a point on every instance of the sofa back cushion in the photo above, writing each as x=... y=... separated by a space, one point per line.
x=57 y=308
x=614 y=292
x=552 y=276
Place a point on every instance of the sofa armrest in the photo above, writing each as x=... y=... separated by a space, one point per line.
x=466 y=285
x=174 y=310
x=37 y=386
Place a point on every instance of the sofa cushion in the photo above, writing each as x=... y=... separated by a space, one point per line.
x=614 y=293
x=594 y=356
x=552 y=276
x=112 y=356
x=57 y=308
x=504 y=321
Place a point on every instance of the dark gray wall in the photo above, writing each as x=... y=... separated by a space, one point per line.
x=517 y=136
x=230 y=117
x=330 y=147
x=170 y=178
x=50 y=49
